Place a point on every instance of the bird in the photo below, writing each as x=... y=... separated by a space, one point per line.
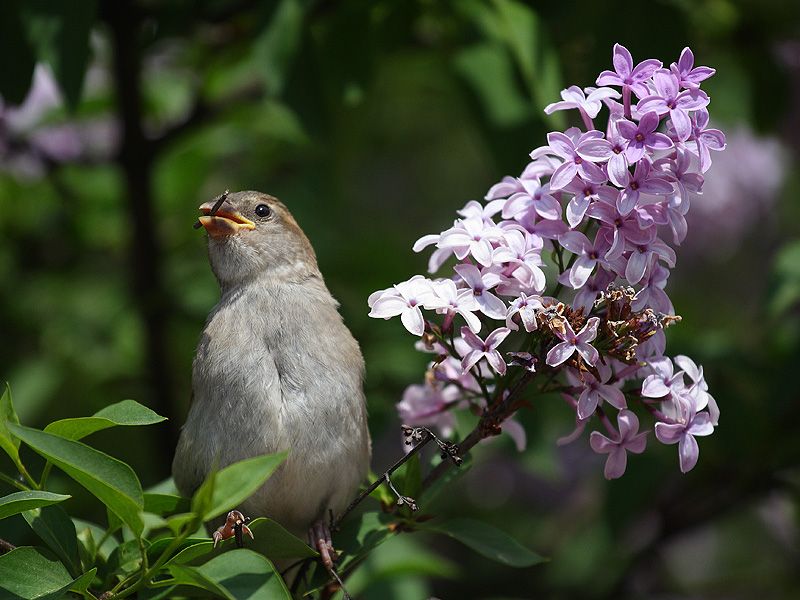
x=276 y=369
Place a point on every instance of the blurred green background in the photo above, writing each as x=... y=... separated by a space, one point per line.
x=374 y=121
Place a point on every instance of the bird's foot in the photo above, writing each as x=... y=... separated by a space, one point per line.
x=235 y=525
x=320 y=538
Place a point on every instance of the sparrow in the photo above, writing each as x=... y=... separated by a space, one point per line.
x=276 y=369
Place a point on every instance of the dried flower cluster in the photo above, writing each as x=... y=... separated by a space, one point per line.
x=560 y=274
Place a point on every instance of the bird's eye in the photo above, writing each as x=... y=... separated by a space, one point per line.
x=262 y=210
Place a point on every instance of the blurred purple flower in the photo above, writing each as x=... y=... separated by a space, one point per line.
x=627 y=440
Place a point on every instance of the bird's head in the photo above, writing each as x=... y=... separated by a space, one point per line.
x=253 y=235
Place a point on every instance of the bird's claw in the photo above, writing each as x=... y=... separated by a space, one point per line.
x=235 y=525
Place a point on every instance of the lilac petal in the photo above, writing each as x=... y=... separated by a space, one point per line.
x=689 y=452
x=497 y=336
x=628 y=424
x=600 y=443
x=424 y=242
x=622 y=60
x=388 y=306
x=659 y=141
x=714 y=139
x=666 y=83
x=669 y=433
x=563 y=175
x=588 y=353
x=681 y=123
x=612 y=395
x=654 y=387
x=574 y=435
x=616 y=463
x=648 y=123
x=548 y=207
x=692 y=100
x=637 y=444
x=595 y=150
x=587 y=403
x=472 y=340
x=576 y=209
x=575 y=241
x=497 y=362
x=654 y=185
x=472 y=320
x=591 y=172
x=580 y=271
x=482 y=251
x=563 y=105
x=413 y=321
x=503 y=189
x=645 y=69
x=589 y=331
x=491 y=306
x=559 y=353
x=627 y=200
x=516 y=432
x=699 y=74
x=471 y=359
x=701 y=425
x=678 y=225
x=470 y=274
x=652 y=103
x=686 y=61
x=637 y=263
x=609 y=78
x=516 y=205
x=618 y=170
x=627 y=129
x=561 y=144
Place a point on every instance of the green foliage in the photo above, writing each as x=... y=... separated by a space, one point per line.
x=21 y=501
x=488 y=541
x=28 y=574
x=126 y=412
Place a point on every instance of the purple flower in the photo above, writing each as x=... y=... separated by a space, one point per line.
x=669 y=99
x=652 y=293
x=641 y=255
x=507 y=186
x=626 y=75
x=705 y=139
x=589 y=106
x=471 y=236
x=521 y=252
x=594 y=392
x=644 y=181
x=585 y=192
x=623 y=227
x=580 y=152
x=688 y=75
x=588 y=293
x=428 y=405
x=457 y=302
x=526 y=307
x=480 y=349
x=659 y=384
x=687 y=424
x=405 y=299
x=640 y=137
x=699 y=386
x=627 y=440
x=573 y=342
x=480 y=284
x=534 y=196
x=589 y=255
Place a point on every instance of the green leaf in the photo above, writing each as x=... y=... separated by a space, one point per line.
x=27 y=574
x=125 y=559
x=17 y=58
x=235 y=483
x=55 y=528
x=126 y=412
x=236 y=575
x=21 y=501
x=164 y=504
x=59 y=31
x=274 y=50
x=113 y=482
x=486 y=540
x=274 y=542
x=8 y=442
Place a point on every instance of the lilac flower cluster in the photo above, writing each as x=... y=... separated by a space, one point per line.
x=560 y=273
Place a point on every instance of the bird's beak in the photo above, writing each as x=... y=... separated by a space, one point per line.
x=226 y=221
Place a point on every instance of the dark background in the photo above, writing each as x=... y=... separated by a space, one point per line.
x=374 y=121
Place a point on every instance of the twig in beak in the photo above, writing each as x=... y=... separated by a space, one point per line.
x=217 y=203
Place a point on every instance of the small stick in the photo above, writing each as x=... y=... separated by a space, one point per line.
x=217 y=203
